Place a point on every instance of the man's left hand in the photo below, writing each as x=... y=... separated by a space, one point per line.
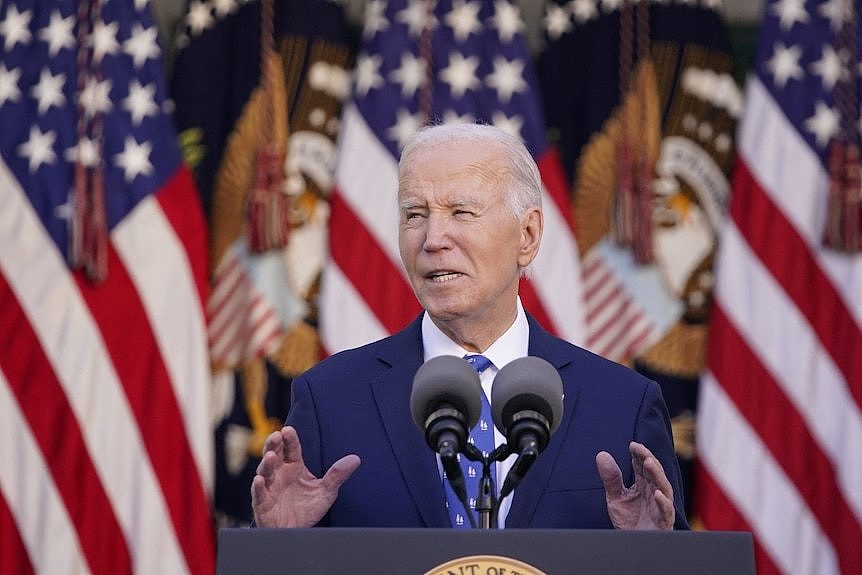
x=648 y=503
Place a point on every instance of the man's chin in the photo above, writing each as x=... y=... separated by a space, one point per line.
x=444 y=313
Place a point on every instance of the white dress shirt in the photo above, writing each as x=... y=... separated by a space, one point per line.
x=513 y=344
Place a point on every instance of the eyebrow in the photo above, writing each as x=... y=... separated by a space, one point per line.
x=465 y=203
x=410 y=205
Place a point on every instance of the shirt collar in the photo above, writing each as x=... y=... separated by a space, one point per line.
x=513 y=344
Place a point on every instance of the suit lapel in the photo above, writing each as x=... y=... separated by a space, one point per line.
x=415 y=459
x=526 y=496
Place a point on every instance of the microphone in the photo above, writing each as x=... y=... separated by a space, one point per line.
x=527 y=406
x=446 y=402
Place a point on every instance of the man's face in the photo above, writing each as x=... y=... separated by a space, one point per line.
x=460 y=243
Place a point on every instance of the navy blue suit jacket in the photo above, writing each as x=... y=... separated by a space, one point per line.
x=358 y=401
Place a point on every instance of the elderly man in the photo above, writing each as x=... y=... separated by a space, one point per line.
x=350 y=454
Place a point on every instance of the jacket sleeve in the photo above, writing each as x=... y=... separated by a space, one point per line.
x=303 y=418
x=653 y=430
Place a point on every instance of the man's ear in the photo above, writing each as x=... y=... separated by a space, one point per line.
x=532 y=224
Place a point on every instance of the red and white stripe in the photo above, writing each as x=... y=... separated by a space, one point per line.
x=365 y=294
x=617 y=326
x=242 y=324
x=780 y=418
x=104 y=394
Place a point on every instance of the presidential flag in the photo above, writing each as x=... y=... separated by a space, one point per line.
x=780 y=416
x=104 y=379
x=250 y=78
x=420 y=62
x=641 y=98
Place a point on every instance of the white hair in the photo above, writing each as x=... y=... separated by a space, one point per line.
x=524 y=186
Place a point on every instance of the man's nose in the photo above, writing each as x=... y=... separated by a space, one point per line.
x=437 y=232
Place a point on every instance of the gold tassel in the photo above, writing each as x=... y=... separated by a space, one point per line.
x=844 y=206
x=624 y=212
x=637 y=150
x=844 y=210
x=269 y=209
x=89 y=224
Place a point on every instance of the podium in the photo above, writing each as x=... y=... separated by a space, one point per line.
x=333 y=551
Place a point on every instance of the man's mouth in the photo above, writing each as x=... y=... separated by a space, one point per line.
x=442 y=277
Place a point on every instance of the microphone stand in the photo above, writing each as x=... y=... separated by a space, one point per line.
x=487 y=497
x=516 y=474
x=499 y=454
x=488 y=504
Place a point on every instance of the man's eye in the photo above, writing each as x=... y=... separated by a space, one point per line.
x=464 y=213
x=412 y=216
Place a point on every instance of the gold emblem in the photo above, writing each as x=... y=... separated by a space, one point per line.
x=484 y=565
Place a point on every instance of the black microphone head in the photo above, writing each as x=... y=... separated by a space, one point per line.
x=528 y=383
x=446 y=379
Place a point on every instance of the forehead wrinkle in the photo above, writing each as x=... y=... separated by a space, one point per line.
x=489 y=169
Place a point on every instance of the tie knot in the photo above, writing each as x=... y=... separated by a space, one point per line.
x=478 y=362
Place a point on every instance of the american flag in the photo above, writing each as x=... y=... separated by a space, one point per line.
x=780 y=417
x=453 y=60
x=104 y=378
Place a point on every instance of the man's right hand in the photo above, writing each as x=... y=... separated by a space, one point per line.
x=284 y=493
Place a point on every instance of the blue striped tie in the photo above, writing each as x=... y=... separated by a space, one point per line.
x=482 y=436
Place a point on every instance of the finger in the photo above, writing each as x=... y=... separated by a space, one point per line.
x=639 y=453
x=340 y=471
x=292 y=447
x=267 y=465
x=666 y=509
x=649 y=467
x=261 y=502
x=639 y=450
x=258 y=490
x=610 y=474
x=655 y=473
x=274 y=442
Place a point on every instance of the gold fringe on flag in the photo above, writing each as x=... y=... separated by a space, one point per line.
x=254 y=389
x=299 y=349
x=681 y=352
